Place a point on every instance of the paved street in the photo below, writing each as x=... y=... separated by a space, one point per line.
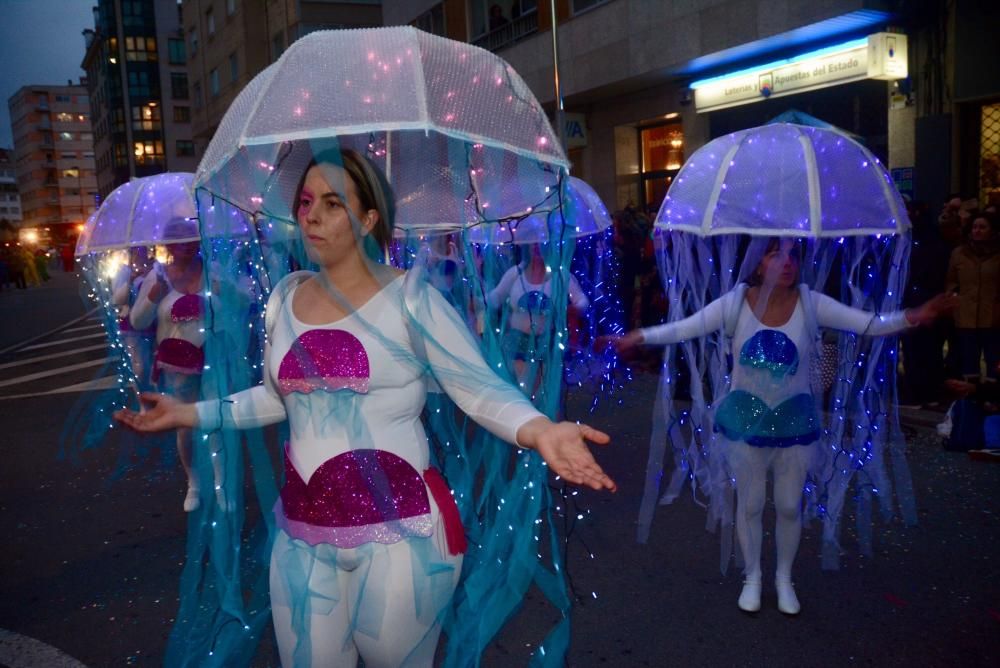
x=90 y=566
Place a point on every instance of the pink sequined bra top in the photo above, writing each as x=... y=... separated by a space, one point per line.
x=324 y=359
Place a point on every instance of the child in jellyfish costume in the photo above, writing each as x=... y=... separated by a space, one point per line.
x=369 y=544
x=175 y=298
x=526 y=291
x=768 y=417
x=139 y=343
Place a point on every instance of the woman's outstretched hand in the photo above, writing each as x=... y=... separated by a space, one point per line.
x=622 y=344
x=563 y=446
x=163 y=412
x=932 y=309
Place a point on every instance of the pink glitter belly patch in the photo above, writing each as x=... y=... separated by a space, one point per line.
x=361 y=496
x=187 y=308
x=179 y=356
x=324 y=359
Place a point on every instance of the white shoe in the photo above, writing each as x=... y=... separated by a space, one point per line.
x=192 y=501
x=750 y=596
x=788 y=602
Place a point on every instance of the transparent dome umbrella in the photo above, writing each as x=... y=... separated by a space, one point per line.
x=462 y=142
x=730 y=198
x=457 y=132
x=137 y=213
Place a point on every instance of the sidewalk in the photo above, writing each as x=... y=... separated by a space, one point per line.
x=27 y=313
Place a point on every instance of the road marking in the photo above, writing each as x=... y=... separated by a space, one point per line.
x=51 y=356
x=62 y=341
x=54 y=372
x=105 y=383
x=19 y=651
x=82 y=329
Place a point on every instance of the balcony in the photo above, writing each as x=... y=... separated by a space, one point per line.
x=509 y=33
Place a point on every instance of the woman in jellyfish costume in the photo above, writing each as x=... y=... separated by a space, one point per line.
x=770 y=237
x=369 y=546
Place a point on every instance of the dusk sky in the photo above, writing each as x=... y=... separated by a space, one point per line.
x=40 y=43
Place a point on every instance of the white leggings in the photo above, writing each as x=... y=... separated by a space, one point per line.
x=363 y=601
x=750 y=465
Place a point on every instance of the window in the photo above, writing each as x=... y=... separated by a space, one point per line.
x=496 y=23
x=88 y=154
x=210 y=23
x=178 y=86
x=72 y=173
x=64 y=117
x=213 y=82
x=182 y=114
x=139 y=84
x=193 y=40
x=185 y=148
x=87 y=136
x=63 y=98
x=67 y=155
x=233 y=67
x=146 y=117
x=230 y=7
x=141 y=49
x=65 y=136
x=175 y=49
x=148 y=152
x=199 y=100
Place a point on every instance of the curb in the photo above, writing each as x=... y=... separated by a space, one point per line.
x=66 y=325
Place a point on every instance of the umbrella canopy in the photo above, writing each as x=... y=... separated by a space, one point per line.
x=784 y=180
x=455 y=129
x=139 y=213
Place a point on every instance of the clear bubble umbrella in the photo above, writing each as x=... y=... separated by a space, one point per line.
x=833 y=196
x=138 y=213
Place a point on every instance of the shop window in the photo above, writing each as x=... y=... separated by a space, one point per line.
x=989 y=155
x=661 y=156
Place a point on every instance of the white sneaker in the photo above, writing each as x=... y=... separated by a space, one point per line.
x=750 y=596
x=192 y=501
x=788 y=602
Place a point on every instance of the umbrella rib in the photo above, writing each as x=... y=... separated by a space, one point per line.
x=812 y=181
x=720 y=177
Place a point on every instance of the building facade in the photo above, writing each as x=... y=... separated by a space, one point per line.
x=627 y=67
x=10 y=199
x=228 y=42
x=140 y=99
x=54 y=159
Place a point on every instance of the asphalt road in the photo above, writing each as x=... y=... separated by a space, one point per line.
x=90 y=563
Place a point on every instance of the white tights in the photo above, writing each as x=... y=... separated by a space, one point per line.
x=750 y=465
x=362 y=601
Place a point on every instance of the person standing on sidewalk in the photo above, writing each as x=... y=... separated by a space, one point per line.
x=974 y=273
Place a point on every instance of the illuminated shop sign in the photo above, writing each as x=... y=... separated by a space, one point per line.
x=879 y=56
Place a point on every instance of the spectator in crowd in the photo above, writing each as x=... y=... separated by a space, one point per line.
x=974 y=273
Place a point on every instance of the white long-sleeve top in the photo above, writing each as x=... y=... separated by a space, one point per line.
x=361 y=381
x=529 y=302
x=145 y=310
x=774 y=387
